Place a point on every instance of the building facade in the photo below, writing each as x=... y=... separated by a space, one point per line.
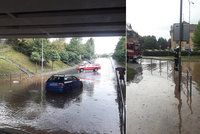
x=187 y=43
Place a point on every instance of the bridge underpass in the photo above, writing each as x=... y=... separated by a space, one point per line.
x=24 y=105
x=62 y=18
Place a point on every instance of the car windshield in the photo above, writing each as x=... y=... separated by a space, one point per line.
x=56 y=79
x=87 y=62
x=71 y=78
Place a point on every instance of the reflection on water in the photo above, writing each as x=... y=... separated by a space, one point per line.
x=195 y=71
x=93 y=109
x=156 y=102
x=61 y=100
x=177 y=95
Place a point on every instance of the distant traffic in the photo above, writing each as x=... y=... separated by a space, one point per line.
x=87 y=65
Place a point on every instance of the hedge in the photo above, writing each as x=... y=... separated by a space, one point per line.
x=168 y=53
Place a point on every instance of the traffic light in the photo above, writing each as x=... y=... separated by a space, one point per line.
x=176 y=59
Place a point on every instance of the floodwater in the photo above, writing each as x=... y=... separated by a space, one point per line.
x=92 y=110
x=154 y=103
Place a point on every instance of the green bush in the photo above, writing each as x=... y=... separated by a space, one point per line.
x=168 y=53
x=73 y=57
x=157 y=53
x=119 y=53
x=64 y=57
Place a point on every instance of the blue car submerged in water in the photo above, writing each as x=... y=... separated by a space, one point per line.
x=60 y=83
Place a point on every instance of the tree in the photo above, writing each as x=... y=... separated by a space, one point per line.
x=64 y=57
x=149 y=42
x=59 y=44
x=11 y=41
x=53 y=56
x=169 y=43
x=119 y=53
x=58 y=49
x=37 y=47
x=73 y=57
x=196 y=37
x=162 y=43
x=35 y=57
x=27 y=46
x=21 y=45
x=85 y=51
x=89 y=49
x=74 y=45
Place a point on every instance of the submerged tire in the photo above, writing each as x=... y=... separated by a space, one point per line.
x=95 y=70
x=81 y=85
x=81 y=70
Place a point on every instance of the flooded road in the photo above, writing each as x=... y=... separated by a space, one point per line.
x=154 y=103
x=93 y=110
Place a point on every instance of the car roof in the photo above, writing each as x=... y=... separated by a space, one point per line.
x=63 y=75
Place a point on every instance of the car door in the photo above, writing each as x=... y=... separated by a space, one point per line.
x=86 y=67
x=76 y=82
x=90 y=66
x=68 y=83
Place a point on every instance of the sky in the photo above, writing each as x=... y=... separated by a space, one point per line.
x=103 y=45
x=155 y=17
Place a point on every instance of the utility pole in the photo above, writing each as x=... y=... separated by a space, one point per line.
x=42 y=83
x=189 y=22
x=180 y=41
x=42 y=56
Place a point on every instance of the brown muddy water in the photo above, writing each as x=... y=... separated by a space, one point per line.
x=92 y=110
x=154 y=103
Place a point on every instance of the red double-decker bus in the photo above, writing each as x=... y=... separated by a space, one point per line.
x=133 y=51
x=133 y=47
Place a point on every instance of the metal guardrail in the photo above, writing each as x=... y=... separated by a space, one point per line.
x=122 y=104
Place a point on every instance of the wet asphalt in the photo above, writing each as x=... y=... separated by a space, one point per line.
x=154 y=103
x=92 y=110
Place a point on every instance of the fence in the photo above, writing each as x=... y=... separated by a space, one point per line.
x=122 y=107
x=13 y=76
x=121 y=92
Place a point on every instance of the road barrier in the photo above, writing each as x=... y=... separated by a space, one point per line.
x=121 y=91
x=122 y=107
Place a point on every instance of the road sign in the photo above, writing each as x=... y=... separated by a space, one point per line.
x=176 y=32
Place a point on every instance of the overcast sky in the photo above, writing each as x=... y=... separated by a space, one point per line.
x=103 y=45
x=154 y=17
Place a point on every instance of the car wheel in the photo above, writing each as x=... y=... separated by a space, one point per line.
x=95 y=69
x=81 y=70
x=81 y=85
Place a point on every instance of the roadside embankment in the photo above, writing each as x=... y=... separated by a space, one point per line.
x=14 y=63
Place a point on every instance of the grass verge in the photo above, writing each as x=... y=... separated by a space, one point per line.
x=7 y=52
x=6 y=67
x=130 y=74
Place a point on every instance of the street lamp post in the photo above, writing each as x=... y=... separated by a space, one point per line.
x=190 y=2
